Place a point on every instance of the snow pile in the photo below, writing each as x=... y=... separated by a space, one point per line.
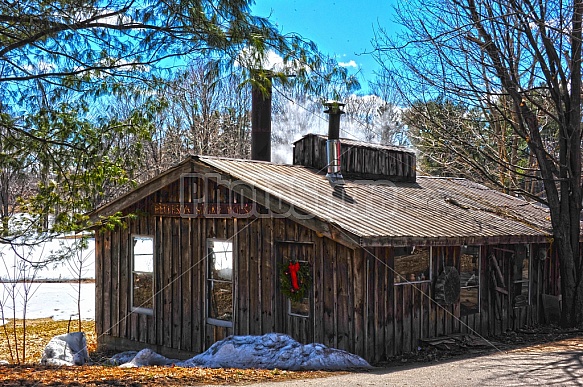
x=69 y=349
x=147 y=357
x=270 y=351
x=122 y=358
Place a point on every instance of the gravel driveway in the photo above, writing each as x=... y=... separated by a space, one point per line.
x=555 y=364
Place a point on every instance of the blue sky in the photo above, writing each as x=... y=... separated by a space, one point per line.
x=340 y=28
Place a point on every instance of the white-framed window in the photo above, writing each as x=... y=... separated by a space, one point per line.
x=469 y=280
x=142 y=274
x=520 y=275
x=220 y=282
x=412 y=264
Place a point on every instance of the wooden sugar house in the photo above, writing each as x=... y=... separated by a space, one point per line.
x=386 y=258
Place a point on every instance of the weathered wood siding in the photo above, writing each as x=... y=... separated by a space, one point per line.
x=362 y=162
x=355 y=304
x=396 y=316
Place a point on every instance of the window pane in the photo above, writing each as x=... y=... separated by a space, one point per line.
x=470 y=280
x=520 y=266
x=520 y=271
x=143 y=245
x=221 y=301
x=221 y=256
x=144 y=263
x=470 y=266
x=469 y=300
x=143 y=291
x=301 y=308
x=412 y=264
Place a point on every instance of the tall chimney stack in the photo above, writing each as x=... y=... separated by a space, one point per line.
x=334 y=112
x=261 y=116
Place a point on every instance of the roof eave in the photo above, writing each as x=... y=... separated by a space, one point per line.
x=452 y=241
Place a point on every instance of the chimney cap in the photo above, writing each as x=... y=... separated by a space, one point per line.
x=334 y=107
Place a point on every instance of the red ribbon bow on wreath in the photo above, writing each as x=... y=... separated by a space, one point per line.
x=293 y=269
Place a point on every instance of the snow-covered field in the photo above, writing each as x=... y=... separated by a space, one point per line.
x=56 y=300
x=83 y=262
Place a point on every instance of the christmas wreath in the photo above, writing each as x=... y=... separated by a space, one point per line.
x=295 y=279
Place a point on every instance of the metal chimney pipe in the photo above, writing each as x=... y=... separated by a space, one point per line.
x=261 y=116
x=334 y=112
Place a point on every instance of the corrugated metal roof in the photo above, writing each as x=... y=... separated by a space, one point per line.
x=437 y=209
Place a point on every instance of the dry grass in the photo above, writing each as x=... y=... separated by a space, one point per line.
x=40 y=331
x=38 y=334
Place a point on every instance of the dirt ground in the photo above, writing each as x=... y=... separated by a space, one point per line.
x=541 y=338
x=456 y=349
x=524 y=359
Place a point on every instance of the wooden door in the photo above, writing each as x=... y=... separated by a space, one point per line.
x=295 y=318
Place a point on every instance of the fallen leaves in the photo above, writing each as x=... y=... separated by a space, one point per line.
x=29 y=375
x=40 y=331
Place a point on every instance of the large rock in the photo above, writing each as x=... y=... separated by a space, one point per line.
x=69 y=349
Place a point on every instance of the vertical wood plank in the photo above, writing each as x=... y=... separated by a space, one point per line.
x=255 y=280
x=125 y=283
x=425 y=310
x=407 y=317
x=388 y=264
x=319 y=291
x=242 y=291
x=268 y=276
x=176 y=283
x=167 y=281
x=115 y=285
x=380 y=296
x=159 y=281
x=370 y=306
x=280 y=304
x=107 y=294
x=187 y=285
x=143 y=328
x=359 y=281
x=199 y=283
x=398 y=321
x=416 y=306
x=99 y=282
x=343 y=300
x=329 y=277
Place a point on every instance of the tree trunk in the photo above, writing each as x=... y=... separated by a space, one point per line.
x=571 y=284
x=521 y=62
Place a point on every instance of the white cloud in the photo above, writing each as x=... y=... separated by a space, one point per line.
x=273 y=61
x=350 y=63
x=251 y=58
x=269 y=60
